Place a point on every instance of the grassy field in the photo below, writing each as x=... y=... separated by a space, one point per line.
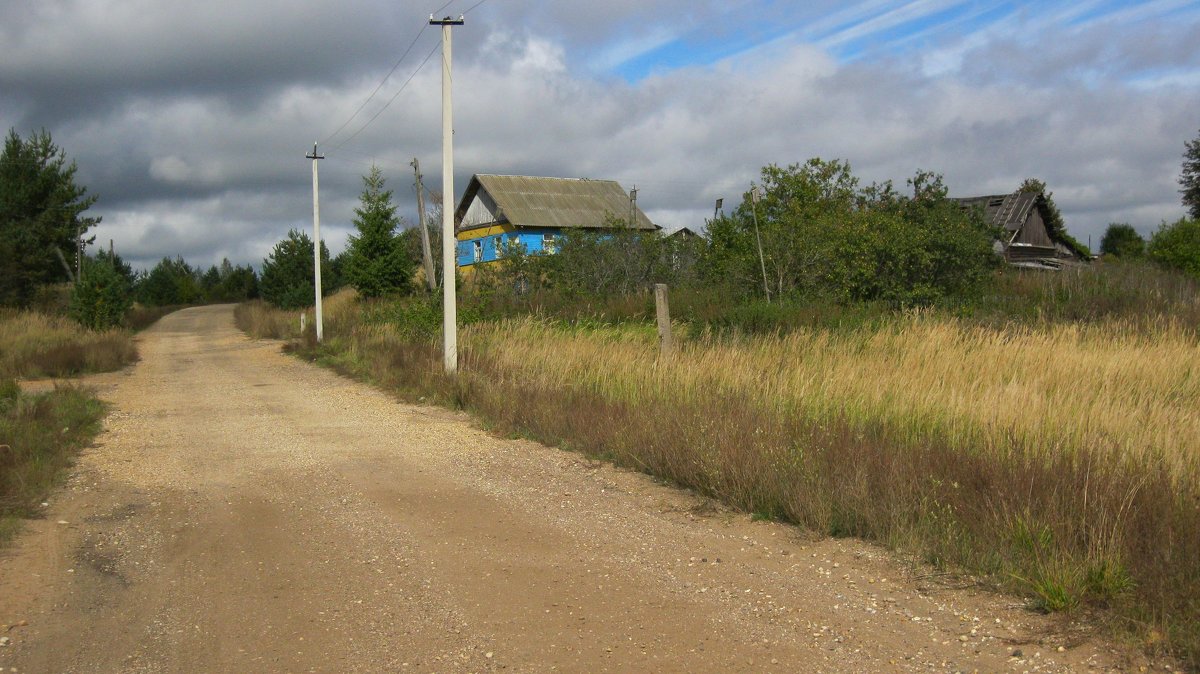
x=1057 y=458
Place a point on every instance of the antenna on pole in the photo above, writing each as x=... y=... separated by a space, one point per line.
x=449 y=240
x=316 y=242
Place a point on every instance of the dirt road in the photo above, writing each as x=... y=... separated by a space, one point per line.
x=247 y=512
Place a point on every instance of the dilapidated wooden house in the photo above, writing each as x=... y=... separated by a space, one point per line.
x=499 y=211
x=1026 y=221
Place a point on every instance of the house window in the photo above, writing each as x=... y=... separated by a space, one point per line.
x=548 y=243
x=478 y=249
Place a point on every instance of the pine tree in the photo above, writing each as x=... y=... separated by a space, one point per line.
x=287 y=273
x=1189 y=179
x=377 y=262
x=41 y=209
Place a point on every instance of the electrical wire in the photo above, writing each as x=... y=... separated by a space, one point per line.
x=390 y=100
x=378 y=87
x=383 y=81
x=473 y=7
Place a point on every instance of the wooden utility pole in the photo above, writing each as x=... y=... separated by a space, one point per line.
x=761 y=260
x=316 y=241
x=662 y=312
x=449 y=299
x=426 y=253
x=633 y=207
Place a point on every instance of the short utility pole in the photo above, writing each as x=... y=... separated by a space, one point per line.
x=449 y=300
x=426 y=254
x=316 y=240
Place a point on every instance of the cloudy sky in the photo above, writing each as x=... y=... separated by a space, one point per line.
x=191 y=120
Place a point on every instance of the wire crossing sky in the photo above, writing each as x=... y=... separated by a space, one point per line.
x=190 y=120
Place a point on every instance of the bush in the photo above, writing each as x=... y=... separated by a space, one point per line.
x=101 y=297
x=1177 y=246
x=822 y=235
x=1122 y=240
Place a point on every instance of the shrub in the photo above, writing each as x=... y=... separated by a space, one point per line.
x=1177 y=246
x=823 y=235
x=101 y=297
x=1122 y=240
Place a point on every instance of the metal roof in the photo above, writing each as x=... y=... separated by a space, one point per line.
x=525 y=201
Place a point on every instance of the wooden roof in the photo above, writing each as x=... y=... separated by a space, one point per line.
x=563 y=203
x=1009 y=211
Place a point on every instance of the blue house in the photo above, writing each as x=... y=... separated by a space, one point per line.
x=497 y=212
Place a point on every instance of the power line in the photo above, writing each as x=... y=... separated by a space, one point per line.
x=378 y=87
x=383 y=81
x=390 y=100
x=473 y=7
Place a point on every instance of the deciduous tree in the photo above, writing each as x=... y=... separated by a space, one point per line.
x=1122 y=240
x=1177 y=246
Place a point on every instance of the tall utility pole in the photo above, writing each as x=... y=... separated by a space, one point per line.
x=426 y=254
x=761 y=260
x=449 y=301
x=633 y=207
x=316 y=240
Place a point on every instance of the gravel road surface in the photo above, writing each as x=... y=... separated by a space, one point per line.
x=244 y=511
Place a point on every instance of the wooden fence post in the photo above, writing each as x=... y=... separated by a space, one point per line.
x=303 y=316
x=663 y=312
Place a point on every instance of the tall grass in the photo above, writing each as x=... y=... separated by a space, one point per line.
x=34 y=344
x=1059 y=459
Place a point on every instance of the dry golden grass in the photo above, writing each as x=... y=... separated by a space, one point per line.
x=262 y=321
x=1056 y=389
x=34 y=344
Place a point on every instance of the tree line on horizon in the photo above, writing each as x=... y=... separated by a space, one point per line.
x=811 y=230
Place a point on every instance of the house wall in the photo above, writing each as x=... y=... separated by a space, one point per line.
x=1033 y=232
x=484 y=245
x=481 y=211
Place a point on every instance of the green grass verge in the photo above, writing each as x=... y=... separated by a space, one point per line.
x=40 y=436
